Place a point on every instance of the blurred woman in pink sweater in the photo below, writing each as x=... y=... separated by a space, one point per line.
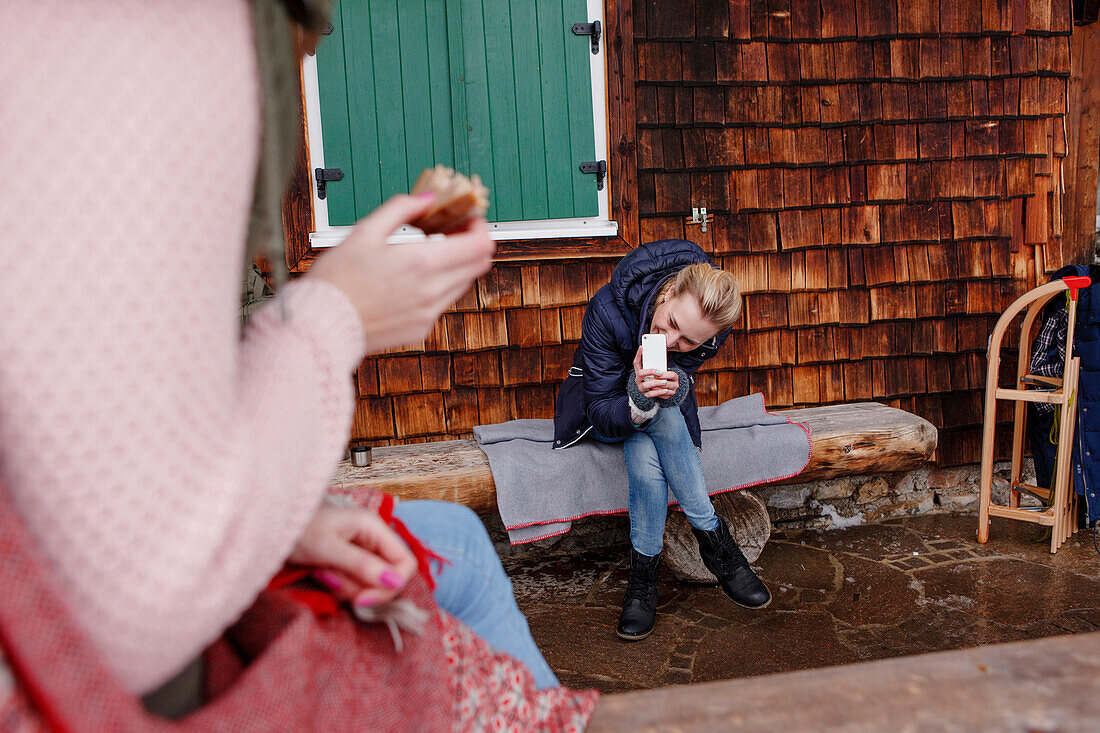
x=165 y=465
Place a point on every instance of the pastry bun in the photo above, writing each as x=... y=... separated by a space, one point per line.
x=457 y=200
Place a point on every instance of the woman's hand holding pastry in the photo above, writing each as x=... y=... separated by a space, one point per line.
x=400 y=291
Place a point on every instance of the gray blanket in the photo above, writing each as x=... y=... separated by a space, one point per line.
x=540 y=491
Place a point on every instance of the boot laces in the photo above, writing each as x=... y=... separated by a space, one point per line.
x=728 y=553
x=640 y=582
x=637 y=589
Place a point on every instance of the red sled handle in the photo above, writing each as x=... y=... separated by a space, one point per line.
x=1075 y=283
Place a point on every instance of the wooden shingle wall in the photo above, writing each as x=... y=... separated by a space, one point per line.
x=885 y=177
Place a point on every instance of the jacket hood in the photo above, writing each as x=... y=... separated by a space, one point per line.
x=635 y=280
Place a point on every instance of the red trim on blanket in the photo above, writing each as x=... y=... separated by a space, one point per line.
x=548 y=535
x=675 y=504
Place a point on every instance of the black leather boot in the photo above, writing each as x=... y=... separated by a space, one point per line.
x=640 y=605
x=724 y=558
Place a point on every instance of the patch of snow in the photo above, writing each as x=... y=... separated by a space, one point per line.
x=841 y=522
x=954 y=602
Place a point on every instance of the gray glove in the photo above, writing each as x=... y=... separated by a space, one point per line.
x=681 y=394
x=645 y=404
x=640 y=401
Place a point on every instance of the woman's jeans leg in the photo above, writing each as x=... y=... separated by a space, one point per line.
x=647 y=496
x=660 y=457
x=473 y=587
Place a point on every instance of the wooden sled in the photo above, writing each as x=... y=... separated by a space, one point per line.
x=1061 y=514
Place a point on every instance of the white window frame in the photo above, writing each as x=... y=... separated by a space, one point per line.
x=601 y=225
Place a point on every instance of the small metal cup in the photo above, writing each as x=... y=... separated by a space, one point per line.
x=360 y=455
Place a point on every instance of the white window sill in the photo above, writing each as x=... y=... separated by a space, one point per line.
x=505 y=230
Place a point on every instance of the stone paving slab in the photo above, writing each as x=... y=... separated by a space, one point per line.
x=905 y=586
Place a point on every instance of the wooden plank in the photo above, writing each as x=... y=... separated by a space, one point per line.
x=373 y=419
x=400 y=374
x=366 y=378
x=572 y=318
x=622 y=101
x=918 y=17
x=491 y=406
x=782 y=60
x=332 y=77
x=526 y=113
x=861 y=225
x=739 y=21
x=1080 y=206
x=380 y=25
x=297 y=209
x=460 y=407
x=554 y=87
x=419 y=414
x=838 y=19
x=435 y=372
x=520 y=366
x=765 y=311
x=712 y=19
x=523 y=326
x=477 y=369
x=551 y=325
x=832 y=225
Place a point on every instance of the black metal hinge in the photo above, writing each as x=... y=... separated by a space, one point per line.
x=589 y=29
x=323 y=175
x=599 y=167
x=326 y=31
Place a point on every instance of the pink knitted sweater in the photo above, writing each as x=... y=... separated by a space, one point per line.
x=165 y=465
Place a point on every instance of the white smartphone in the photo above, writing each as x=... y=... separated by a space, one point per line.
x=654 y=355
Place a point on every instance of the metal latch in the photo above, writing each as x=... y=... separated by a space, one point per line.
x=589 y=29
x=599 y=167
x=323 y=175
x=699 y=215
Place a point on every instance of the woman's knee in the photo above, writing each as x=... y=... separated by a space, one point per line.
x=443 y=525
x=668 y=418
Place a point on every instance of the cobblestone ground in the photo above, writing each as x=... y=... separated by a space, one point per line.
x=905 y=586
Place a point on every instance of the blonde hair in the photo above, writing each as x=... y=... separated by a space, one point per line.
x=716 y=290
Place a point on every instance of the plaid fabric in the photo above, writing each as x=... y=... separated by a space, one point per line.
x=1048 y=352
x=281 y=667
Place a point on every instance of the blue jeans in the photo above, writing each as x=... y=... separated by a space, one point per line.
x=473 y=587
x=660 y=457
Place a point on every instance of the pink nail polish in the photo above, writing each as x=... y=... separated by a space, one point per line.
x=426 y=195
x=365 y=602
x=391 y=580
x=329 y=579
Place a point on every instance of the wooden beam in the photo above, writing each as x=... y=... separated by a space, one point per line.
x=849 y=439
x=1044 y=684
x=1083 y=149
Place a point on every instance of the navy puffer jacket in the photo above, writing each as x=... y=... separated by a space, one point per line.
x=1086 y=345
x=594 y=393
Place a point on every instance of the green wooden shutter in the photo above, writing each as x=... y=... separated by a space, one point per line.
x=497 y=88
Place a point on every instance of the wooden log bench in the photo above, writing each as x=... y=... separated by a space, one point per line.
x=849 y=439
